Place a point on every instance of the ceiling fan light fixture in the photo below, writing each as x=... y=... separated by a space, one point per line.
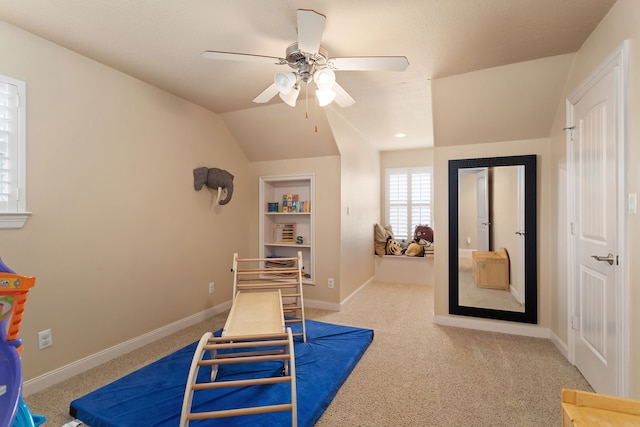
x=324 y=78
x=325 y=96
x=285 y=82
x=291 y=97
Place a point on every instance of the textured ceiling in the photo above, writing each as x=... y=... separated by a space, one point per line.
x=160 y=42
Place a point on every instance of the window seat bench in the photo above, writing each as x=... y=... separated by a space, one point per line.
x=404 y=269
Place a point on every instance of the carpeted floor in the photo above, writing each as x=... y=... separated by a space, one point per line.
x=471 y=295
x=414 y=373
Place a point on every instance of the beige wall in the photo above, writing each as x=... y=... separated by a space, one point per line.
x=621 y=23
x=467 y=212
x=119 y=240
x=359 y=205
x=326 y=214
x=121 y=244
x=442 y=155
x=504 y=209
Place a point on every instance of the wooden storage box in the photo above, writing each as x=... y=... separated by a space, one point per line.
x=582 y=408
x=491 y=269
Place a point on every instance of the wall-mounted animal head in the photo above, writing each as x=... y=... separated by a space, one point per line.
x=217 y=179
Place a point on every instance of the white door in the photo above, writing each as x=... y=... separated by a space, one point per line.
x=483 y=221
x=594 y=151
x=517 y=276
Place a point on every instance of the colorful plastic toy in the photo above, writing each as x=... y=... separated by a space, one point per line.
x=13 y=296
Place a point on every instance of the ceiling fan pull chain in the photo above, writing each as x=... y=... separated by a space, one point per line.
x=315 y=110
x=306 y=99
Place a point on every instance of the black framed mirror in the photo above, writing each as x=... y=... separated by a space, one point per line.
x=493 y=238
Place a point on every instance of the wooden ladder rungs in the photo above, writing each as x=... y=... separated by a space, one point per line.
x=240 y=260
x=237 y=412
x=248 y=353
x=270 y=275
x=245 y=344
x=254 y=338
x=289 y=304
x=261 y=286
x=267 y=270
x=241 y=383
x=240 y=359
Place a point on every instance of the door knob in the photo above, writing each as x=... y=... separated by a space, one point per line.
x=609 y=258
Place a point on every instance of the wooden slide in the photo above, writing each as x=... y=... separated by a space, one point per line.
x=264 y=289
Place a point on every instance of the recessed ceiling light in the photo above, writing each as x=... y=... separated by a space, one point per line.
x=400 y=135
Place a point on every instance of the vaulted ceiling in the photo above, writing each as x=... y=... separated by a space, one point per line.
x=160 y=42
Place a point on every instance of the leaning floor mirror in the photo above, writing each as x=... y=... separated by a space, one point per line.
x=493 y=238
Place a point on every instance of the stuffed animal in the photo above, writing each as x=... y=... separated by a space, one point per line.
x=380 y=236
x=414 y=249
x=423 y=232
x=392 y=247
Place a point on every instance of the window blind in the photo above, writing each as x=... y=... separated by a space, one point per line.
x=408 y=196
x=8 y=147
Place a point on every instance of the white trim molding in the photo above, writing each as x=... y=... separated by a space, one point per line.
x=13 y=220
x=51 y=378
x=493 y=326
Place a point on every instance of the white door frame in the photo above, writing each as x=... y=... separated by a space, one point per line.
x=483 y=222
x=616 y=59
x=518 y=291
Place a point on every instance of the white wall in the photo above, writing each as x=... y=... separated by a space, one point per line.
x=621 y=23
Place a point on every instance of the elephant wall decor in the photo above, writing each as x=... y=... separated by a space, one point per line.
x=214 y=178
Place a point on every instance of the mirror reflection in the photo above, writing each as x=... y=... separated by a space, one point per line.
x=492 y=238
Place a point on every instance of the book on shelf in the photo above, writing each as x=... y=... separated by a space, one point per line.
x=284 y=232
x=291 y=203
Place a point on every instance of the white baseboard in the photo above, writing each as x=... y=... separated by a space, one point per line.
x=51 y=378
x=493 y=326
x=560 y=345
x=322 y=305
x=364 y=285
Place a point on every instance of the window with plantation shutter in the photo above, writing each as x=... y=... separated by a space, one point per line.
x=408 y=200
x=12 y=153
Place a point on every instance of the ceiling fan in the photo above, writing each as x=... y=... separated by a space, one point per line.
x=310 y=62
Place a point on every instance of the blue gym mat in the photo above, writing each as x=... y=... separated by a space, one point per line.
x=152 y=396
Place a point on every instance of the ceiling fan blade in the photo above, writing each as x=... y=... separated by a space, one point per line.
x=246 y=57
x=310 y=29
x=369 y=63
x=266 y=94
x=343 y=99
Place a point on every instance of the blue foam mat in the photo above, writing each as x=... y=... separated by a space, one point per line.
x=152 y=396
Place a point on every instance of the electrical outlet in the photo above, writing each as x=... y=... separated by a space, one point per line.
x=330 y=282
x=212 y=287
x=45 y=339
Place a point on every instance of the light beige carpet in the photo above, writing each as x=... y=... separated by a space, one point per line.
x=470 y=295
x=414 y=373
